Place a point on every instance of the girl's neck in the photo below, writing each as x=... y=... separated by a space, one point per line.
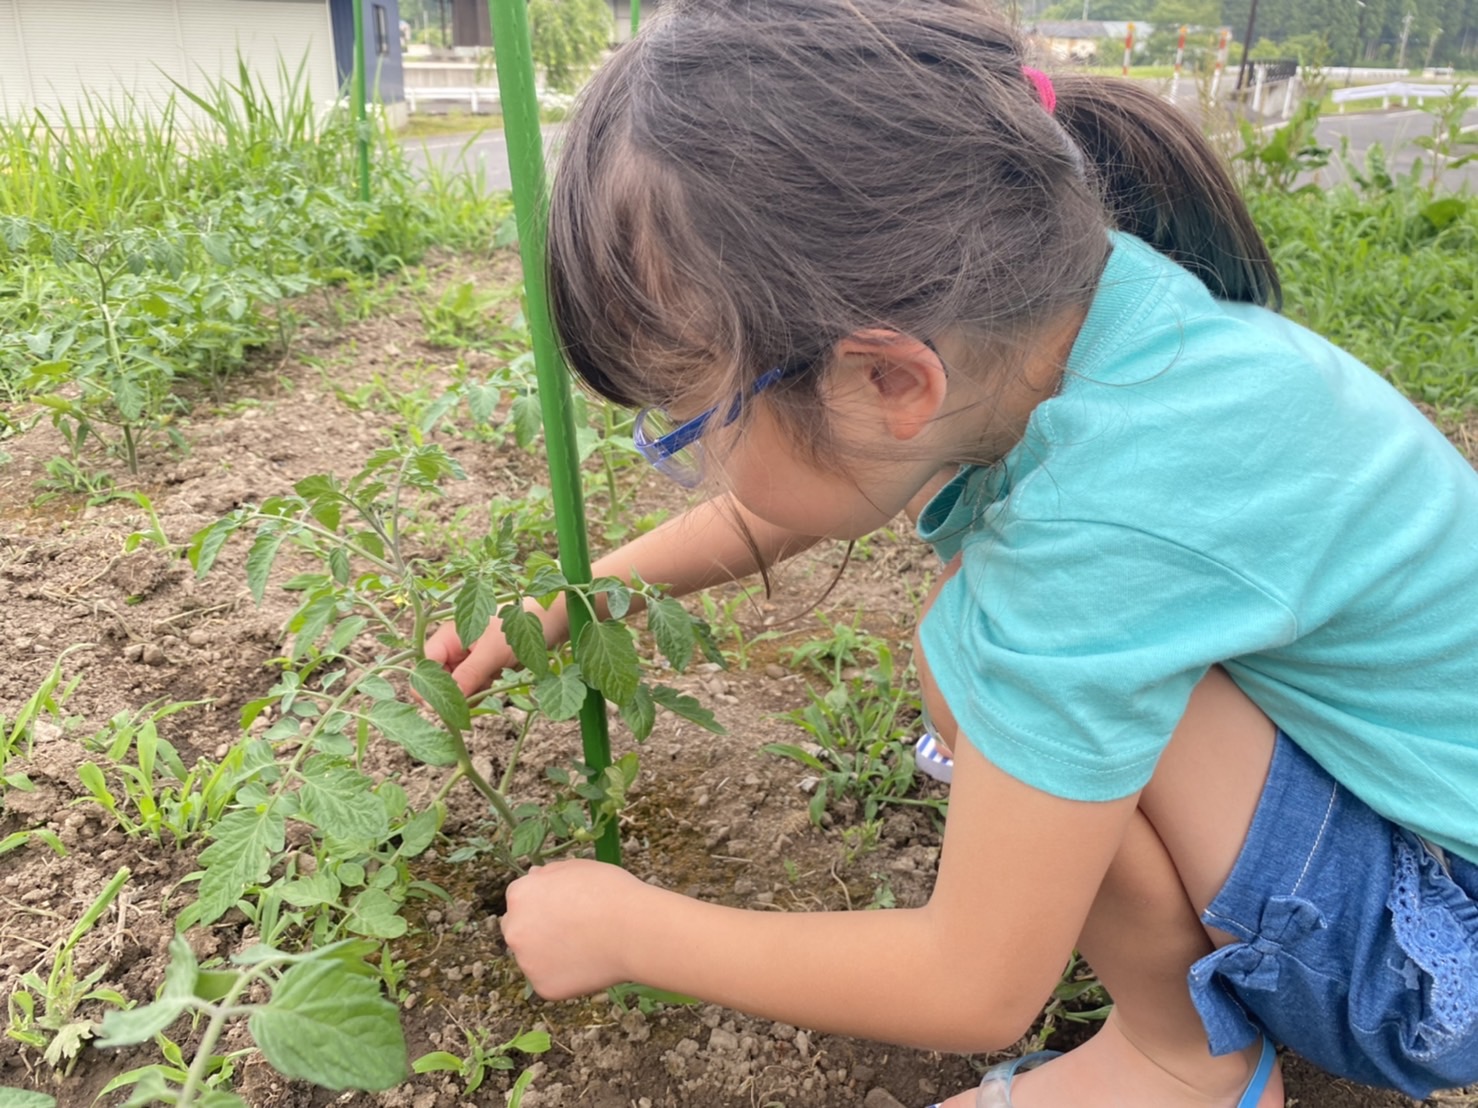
x=994 y=402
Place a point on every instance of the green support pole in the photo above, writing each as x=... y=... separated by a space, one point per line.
x=361 y=119
x=515 y=61
x=635 y=17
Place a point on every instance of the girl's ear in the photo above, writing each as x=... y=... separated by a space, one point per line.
x=901 y=376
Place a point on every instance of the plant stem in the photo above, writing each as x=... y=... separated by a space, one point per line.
x=517 y=749
x=195 y=1079
x=445 y=790
x=493 y=796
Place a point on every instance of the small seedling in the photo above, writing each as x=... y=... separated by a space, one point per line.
x=482 y=1058
x=43 y=1012
x=861 y=737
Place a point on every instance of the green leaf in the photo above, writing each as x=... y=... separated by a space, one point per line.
x=345 y=633
x=560 y=695
x=129 y=398
x=214 y=985
x=531 y=1042
x=339 y=802
x=525 y=634
x=440 y=691
x=475 y=604
x=218 y=246
x=436 y=1062
x=338 y=565
x=404 y=726
x=376 y=914
x=259 y=561
x=672 y=627
x=240 y=856
x=330 y=1025
x=640 y=713
x=207 y=543
x=310 y=892
x=607 y=657
x=138 y=1024
x=527 y=420
x=1440 y=213
x=686 y=707
x=310 y=621
x=377 y=687
x=795 y=753
x=419 y=831
x=528 y=837
x=617 y=593
x=24 y=1098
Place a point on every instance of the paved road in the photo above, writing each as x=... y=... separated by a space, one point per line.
x=486 y=154
x=1394 y=129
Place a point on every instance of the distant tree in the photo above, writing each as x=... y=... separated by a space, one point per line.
x=569 y=37
x=1099 y=9
x=1193 y=13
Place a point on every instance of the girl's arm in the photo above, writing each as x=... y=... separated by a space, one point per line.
x=703 y=547
x=700 y=548
x=967 y=972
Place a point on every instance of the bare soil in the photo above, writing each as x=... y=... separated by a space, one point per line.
x=713 y=817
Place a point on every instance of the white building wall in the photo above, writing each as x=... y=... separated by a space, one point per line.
x=60 y=55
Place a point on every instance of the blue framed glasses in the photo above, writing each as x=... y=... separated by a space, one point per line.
x=675 y=450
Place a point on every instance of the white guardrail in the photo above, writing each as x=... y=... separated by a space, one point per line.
x=1405 y=91
x=476 y=97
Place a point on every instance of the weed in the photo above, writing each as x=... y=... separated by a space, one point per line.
x=462 y=316
x=1077 y=998
x=483 y=1056
x=860 y=731
x=43 y=1012
x=728 y=631
x=1273 y=163
x=157 y=795
x=645 y=999
x=845 y=646
x=18 y=736
x=1449 y=134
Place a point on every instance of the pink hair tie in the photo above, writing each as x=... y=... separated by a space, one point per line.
x=1043 y=84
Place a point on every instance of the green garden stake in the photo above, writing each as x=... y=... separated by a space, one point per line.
x=361 y=119
x=514 y=58
x=635 y=17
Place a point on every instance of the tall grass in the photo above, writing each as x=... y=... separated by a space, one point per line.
x=1384 y=267
x=138 y=247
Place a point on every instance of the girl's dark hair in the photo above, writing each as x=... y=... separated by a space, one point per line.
x=751 y=180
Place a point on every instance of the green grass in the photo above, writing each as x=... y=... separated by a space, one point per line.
x=1388 y=274
x=141 y=249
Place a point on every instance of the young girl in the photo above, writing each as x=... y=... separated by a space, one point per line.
x=1206 y=655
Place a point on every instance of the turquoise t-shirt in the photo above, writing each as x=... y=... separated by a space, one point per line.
x=1215 y=484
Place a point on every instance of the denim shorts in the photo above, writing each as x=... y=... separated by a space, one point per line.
x=1357 y=941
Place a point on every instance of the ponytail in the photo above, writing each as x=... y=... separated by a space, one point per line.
x=1161 y=182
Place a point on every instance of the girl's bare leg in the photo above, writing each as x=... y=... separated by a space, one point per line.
x=1144 y=930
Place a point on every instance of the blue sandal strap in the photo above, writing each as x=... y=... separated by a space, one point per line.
x=1253 y=1093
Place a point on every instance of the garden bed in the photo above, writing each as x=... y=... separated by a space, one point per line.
x=711 y=816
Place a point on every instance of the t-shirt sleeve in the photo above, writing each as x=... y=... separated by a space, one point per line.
x=1067 y=650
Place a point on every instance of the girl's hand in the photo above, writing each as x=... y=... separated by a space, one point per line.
x=566 y=926
x=490 y=655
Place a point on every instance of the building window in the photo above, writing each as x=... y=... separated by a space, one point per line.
x=382 y=31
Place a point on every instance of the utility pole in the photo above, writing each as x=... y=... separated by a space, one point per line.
x=1405 y=31
x=1247 y=45
x=1432 y=46
x=1085 y=11
x=1359 y=45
